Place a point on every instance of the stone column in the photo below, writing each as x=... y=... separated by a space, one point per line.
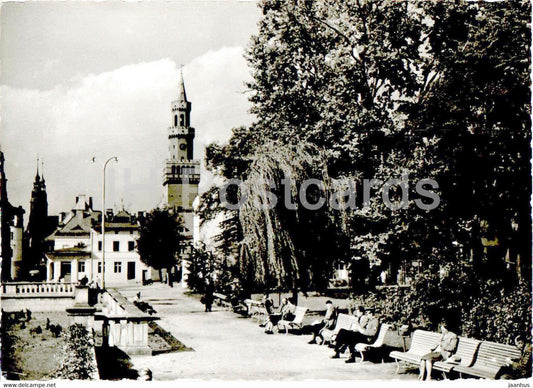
x=81 y=312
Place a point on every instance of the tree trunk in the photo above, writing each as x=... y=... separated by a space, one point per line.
x=295 y=296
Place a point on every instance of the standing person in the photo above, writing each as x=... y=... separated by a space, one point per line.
x=208 y=297
x=364 y=329
x=519 y=368
x=327 y=323
x=443 y=351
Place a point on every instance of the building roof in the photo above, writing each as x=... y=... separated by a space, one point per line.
x=79 y=221
x=115 y=226
x=122 y=221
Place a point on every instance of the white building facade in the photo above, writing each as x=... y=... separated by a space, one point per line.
x=77 y=248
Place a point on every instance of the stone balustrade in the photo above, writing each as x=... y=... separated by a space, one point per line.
x=125 y=326
x=37 y=296
x=30 y=289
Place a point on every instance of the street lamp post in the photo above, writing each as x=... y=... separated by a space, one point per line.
x=103 y=220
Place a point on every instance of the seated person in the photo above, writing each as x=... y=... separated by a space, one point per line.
x=285 y=311
x=327 y=323
x=269 y=308
x=519 y=368
x=364 y=329
x=443 y=351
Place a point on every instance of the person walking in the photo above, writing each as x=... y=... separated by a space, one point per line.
x=208 y=297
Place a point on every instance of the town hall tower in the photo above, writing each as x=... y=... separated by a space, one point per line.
x=181 y=174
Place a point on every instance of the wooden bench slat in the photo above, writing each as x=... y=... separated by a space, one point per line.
x=490 y=358
x=466 y=351
x=422 y=343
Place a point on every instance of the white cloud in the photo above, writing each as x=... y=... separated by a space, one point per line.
x=124 y=112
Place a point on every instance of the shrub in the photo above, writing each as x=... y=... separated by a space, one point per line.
x=482 y=310
x=497 y=315
x=78 y=362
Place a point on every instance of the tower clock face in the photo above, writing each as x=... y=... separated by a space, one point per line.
x=183 y=146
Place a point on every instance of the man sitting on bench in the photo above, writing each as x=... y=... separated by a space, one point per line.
x=364 y=329
x=328 y=322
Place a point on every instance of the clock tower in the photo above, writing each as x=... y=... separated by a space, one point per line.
x=181 y=174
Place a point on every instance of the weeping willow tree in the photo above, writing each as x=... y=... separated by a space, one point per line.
x=286 y=245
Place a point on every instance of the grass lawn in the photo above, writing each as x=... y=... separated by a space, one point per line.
x=161 y=341
x=27 y=355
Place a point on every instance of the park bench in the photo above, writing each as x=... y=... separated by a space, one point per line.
x=489 y=360
x=464 y=355
x=344 y=321
x=422 y=343
x=221 y=300
x=362 y=347
x=296 y=323
x=255 y=308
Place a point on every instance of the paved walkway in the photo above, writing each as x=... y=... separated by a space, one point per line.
x=227 y=346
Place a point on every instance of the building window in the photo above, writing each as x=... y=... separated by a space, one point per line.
x=175 y=120
x=116 y=246
x=118 y=267
x=131 y=245
x=182 y=120
x=100 y=246
x=81 y=266
x=100 y=267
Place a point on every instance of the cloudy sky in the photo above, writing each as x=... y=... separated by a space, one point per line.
x=84 y=79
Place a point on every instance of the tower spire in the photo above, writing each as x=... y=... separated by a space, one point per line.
x=37 y=170
x=182 y=94
x=42 y=169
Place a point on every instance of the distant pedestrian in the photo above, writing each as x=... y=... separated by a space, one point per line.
x=208 y=297
x=83 y=281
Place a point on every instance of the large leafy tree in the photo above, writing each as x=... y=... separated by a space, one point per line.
x=161 y=239
x=435 y=90
x=430 y=89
